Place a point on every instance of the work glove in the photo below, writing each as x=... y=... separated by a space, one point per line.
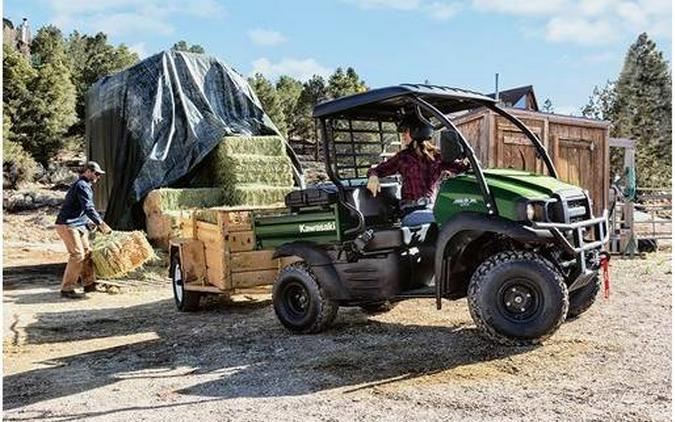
x=105 y=229
x=373 y=185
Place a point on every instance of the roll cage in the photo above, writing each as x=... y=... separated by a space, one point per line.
x=390 y=104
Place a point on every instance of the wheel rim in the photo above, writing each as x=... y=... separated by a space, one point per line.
x=520 y=300
x=178 y=283
x=296 y=300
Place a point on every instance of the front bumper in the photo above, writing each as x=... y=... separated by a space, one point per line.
x=579 y=246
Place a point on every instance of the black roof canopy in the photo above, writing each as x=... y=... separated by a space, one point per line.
x=385 y=103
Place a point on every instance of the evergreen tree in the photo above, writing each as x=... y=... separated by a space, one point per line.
x=342 y=83
x=269 y=99
x=313 y=92
x=288 y=93
x=91 y=58
x=600 y=103
x=51 y=109
x=642 y=110
x=183 y=46
x=17 y=76
x=48 y=46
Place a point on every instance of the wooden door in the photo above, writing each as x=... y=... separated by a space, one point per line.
x=574 y=162
x=515 y=150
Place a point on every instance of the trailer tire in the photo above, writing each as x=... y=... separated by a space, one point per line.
x=517 y=298
x=582 y=299
x=300 y=302
x=186 y=301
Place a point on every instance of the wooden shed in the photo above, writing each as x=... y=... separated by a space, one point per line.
x=579 y=147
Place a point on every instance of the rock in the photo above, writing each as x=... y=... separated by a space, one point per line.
x=23 y=200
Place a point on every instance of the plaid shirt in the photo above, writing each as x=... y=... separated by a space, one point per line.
x=420 y=174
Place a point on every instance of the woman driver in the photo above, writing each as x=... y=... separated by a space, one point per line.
x=420 y=166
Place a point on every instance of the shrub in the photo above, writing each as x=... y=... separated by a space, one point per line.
x=18 y=166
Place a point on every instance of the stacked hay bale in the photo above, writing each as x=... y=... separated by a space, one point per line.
x=253 y=171
x=241 y=171
x=119 y=253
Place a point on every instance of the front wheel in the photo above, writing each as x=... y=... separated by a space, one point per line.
x=517 y=298
x=186 y=300
x=301 y=304
x=582 y=299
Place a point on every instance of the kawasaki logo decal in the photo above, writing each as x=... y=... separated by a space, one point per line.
x=321 y=227
x=465 y=202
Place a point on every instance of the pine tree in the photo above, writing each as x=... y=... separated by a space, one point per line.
x=342 y=83
x=17 y=76
x=89 y=59
x=639 y=106
x=269 y=99
x=313 y=92
x=51 y=110
x=642 y=110
x=288 y=93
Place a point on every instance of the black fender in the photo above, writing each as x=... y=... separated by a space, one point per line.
x=465 y=227
x=321 y=264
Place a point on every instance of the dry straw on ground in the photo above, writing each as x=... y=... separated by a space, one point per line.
x=119 y=253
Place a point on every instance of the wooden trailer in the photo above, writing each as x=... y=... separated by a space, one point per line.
x=578 y=146
x=220 y=257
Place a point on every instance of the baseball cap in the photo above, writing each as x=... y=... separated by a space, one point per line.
x=93 y=166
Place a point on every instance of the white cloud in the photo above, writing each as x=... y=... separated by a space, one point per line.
x=301 y=69
x=442 y=11
x=580 y=30
x=435 y=9
x=117 y=17
x=387 y=4
x=587 y=22
x=140 y=49
x=520 y=7
x=266 y=37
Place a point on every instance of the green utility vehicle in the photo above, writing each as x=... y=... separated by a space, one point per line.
x=524 y=248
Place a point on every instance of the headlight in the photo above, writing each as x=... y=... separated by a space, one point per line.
x=535 y=211
x=529 y=212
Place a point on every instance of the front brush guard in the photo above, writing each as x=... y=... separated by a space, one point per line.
x=579 y=246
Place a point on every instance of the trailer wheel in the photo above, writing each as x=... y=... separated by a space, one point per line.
x=517 y=298
x=186 y=300
x=301 y=304
x=582 y=299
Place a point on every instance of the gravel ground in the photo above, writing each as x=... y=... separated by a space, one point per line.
x=132 y=356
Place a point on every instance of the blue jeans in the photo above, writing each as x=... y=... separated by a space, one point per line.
x=418 y=217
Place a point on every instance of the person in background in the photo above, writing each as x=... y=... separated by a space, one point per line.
x=420 y=166
x=73 y=223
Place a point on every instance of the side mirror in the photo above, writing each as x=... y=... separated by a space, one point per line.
x=451 y=148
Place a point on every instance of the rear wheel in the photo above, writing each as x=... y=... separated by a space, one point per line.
x=186 y=300
x=517 y=298
x=582 y=299
x=301 y=304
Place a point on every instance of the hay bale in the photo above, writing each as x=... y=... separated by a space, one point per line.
x=255 y=194
x=256 y=145
x=119 y=253
x=161 y=200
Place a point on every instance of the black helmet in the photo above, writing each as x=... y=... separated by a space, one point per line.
x=419 y=130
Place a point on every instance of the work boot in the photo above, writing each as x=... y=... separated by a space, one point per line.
x=72 y=294
x=90 y=288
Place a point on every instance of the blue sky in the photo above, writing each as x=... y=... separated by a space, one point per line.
x=562 y=47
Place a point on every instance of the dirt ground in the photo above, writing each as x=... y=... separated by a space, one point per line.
x=132 y=356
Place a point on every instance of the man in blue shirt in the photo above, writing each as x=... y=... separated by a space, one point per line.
x=76 y=218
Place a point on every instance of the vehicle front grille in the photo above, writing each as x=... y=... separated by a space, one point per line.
x=570 y=207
